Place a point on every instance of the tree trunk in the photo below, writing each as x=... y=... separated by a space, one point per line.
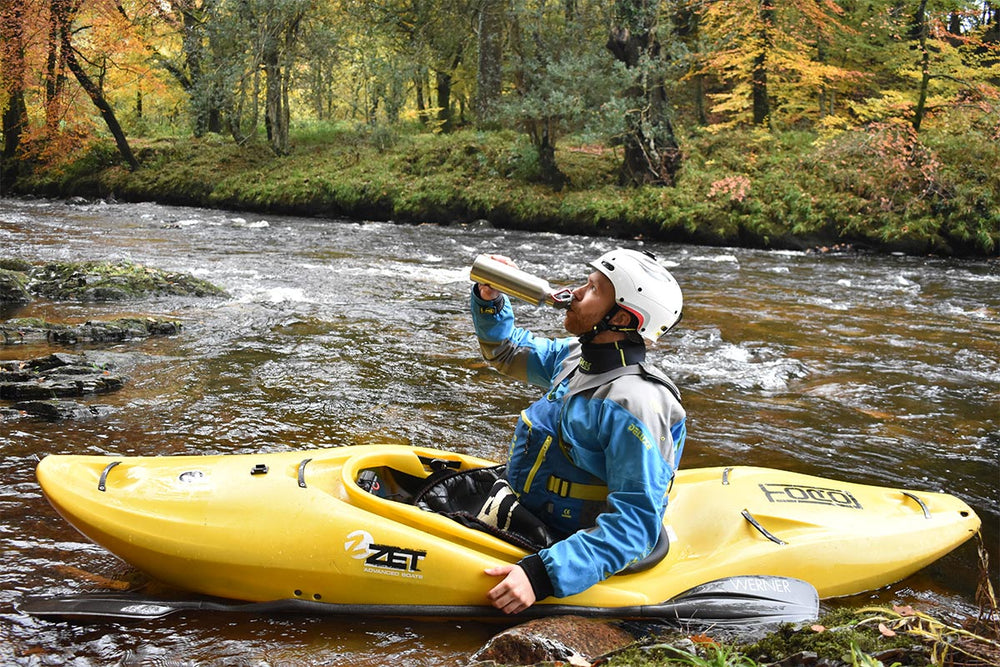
x=418 y=84
x=548 y=171
x=443 y=88
x=15 y=114
x=761 y=103
x=652 y=154
x=488 y=79
x=920 y=26
x=54 y=61
x=687 y=28
x=272 y=101
x=96 y=96
x=194 y=82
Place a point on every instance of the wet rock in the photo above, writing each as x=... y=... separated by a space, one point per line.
x=573 y=639
x=17 y=331
x=13 y=287
x=15 y=264
x=805 y=659
x=118 y=281
x=55 y=376
x=20 y=281
x=55 y=410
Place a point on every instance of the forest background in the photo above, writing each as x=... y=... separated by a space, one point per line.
x=766 y=123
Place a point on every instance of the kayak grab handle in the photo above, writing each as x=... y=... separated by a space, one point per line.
x=101 y=486
x=761 y=529
x=302 y=472
x=927 y=512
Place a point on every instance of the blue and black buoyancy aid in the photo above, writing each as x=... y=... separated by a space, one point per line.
x=542 y=466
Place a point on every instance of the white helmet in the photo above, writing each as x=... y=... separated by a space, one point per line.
x=644 y=288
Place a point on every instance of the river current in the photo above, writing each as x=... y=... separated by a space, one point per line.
x=865 y=368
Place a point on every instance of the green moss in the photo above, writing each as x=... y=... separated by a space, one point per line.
x=843 y=634
x=740 y=187
x=851 y=637
x=15 y=264
x=113 y=281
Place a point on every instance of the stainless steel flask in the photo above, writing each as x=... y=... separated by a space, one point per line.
x=517 y=283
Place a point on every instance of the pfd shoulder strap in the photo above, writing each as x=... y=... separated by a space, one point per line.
x=647 y=372
x=656 y=375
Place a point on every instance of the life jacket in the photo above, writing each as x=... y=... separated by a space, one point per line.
x=540 y=467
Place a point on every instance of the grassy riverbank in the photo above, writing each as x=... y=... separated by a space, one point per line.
x=882 y=187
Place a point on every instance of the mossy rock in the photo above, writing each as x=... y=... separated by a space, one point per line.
x=113 y=281
x=15 y=264
x=14 y=287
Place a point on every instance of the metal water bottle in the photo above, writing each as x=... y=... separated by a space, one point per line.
x=517 y=283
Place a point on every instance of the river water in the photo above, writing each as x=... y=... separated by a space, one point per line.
x=875 y=369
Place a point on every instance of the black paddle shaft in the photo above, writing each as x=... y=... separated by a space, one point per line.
x=733 y=601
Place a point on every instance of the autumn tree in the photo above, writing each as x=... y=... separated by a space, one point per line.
x=921 y=58
x=12 y=78
x=323 y=43
x=774 y=57
x=63 y=14
x=954 y=51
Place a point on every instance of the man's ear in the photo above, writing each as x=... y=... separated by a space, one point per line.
x=621 y=318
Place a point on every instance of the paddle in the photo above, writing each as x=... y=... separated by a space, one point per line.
x=733 y=601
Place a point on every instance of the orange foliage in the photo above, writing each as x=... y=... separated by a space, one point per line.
x=113 y=50
x=788 y=37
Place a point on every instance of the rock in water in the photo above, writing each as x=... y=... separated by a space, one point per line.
x=573 y=639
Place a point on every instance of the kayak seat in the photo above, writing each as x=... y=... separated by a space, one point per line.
x=474 y=497
x=389 y=483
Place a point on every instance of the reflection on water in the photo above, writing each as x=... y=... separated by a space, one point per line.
x=872 y=369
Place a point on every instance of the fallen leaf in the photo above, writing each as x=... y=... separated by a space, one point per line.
x=904 y=610
x=703 y=639
x=78 y=573
x=886 y=632
x=818 y=628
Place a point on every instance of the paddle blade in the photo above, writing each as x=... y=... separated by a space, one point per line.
x=743 y=600
x=98 y=606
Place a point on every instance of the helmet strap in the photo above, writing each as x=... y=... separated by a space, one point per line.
x=606 y=325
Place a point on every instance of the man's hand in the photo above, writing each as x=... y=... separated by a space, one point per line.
x=514 y=593
x=487 y=293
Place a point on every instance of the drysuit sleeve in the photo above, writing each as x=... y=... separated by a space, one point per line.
x=511 y=350
x=640 y=443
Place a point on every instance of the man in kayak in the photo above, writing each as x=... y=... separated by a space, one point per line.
x=594 y=457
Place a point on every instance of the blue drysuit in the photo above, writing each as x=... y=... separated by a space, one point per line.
x=594 y=456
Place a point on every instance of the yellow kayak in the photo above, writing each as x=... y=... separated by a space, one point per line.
x=298 y=526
